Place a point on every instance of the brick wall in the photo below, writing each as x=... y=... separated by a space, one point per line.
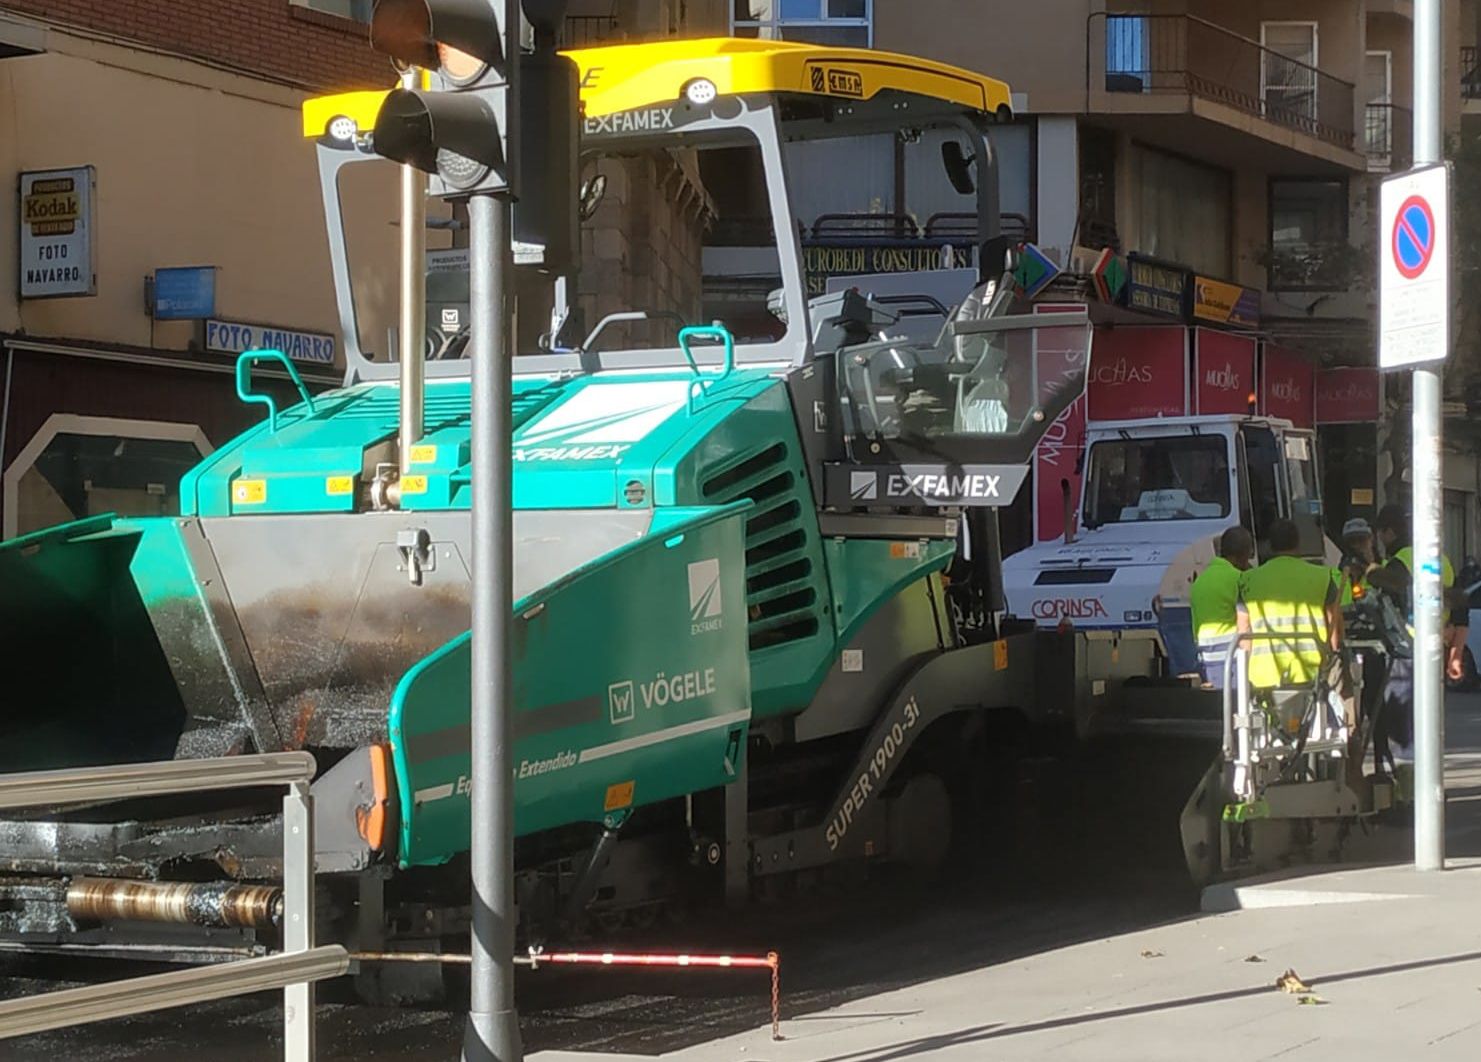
x=642 y=249
x=271 y=38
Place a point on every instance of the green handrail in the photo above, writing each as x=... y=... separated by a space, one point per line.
x=714 y=331
x=244 y=382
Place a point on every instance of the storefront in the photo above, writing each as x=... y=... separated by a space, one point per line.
x=88 y=429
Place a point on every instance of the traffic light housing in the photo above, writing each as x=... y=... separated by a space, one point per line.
x=457 y=126
x=545 y=214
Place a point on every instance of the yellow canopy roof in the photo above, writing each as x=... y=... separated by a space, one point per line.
x=623 y=77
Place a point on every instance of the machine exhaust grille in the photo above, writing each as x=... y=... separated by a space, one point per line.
x=782 y=596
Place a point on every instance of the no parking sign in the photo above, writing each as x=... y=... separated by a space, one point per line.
x=1414 y=268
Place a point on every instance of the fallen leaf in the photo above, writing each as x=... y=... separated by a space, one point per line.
x=1291 y=982
x=1309 y=1000
x=1254 y=958
x=1148 y=953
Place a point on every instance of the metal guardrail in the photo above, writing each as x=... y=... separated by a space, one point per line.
x=1189 y=55
x=294 y=970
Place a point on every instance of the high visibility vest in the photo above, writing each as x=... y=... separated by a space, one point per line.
x=1344 y=586
x=1213 y=598
x=1287 y=597
x=1405 y=557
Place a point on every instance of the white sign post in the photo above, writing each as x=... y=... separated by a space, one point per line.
x=1414 y=268
x=56 y=226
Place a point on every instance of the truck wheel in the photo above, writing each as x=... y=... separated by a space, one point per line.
x=920 y=823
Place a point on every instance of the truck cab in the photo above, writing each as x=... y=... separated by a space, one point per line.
x=1155 y=497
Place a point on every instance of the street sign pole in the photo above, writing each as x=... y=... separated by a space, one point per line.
x=1429 y=713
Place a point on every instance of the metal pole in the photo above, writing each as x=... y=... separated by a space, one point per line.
x=299 y=1033
x=413 y=298
x=492 y=1034
x=1429 y=691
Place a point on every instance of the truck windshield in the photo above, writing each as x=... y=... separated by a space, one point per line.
x=1183 y=477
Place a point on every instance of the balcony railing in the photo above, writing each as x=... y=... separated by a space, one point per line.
x=1183 y=54
x=1470 y=74
x=1388 y=136
x=583 y=31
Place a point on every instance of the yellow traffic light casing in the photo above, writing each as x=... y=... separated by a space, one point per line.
x=459 y=128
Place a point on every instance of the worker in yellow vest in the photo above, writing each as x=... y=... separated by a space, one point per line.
x=1298 y=603
x=1214 y=598
x=1394 y=735
x=1358 y=559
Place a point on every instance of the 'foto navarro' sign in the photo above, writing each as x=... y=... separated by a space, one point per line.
x=56 y=227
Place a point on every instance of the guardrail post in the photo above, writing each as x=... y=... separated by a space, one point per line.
x=298 y=918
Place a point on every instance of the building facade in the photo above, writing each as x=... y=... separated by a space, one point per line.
x=1234 y=143
x=165 y=198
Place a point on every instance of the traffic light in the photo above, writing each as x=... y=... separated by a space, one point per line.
x=546 y=212
x=458 y=127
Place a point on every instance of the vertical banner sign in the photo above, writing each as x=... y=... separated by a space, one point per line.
x=1347 y=396
x=1138 y=372
x=56 y=229
x=1057 y=457
x=1287 y=386
x=1223 y=372
x=1414 y=268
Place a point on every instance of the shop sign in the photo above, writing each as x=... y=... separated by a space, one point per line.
x=1137 y=372
x=56 y=227
x=233 y=337
x=1287 y=386
x=1059 y=454
x=1157 y=287
x=1347 y=396
x=187 y=293
x=1223 y=372
x=1224 y=303
x=824 y=260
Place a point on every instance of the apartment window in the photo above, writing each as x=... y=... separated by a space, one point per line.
x=845 y=23
x=1378 y=91
x=359 y=10
x=1308 y=235
x=1182 y=211
x=1128 y=67
x=1288 y=82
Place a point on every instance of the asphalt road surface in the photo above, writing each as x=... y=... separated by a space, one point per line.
x=1100 y=857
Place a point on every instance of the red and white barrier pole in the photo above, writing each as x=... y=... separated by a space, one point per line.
x=536 y=958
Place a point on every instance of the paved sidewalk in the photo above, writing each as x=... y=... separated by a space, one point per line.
x=1393 y=957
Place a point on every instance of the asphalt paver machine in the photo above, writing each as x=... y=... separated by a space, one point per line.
x=738 y=658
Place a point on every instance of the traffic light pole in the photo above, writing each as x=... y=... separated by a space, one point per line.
x=492 y=1034
x=1429 y=690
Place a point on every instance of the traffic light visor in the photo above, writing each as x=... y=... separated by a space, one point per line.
x=402 y=29
x=454 y=135
x=411 y=30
